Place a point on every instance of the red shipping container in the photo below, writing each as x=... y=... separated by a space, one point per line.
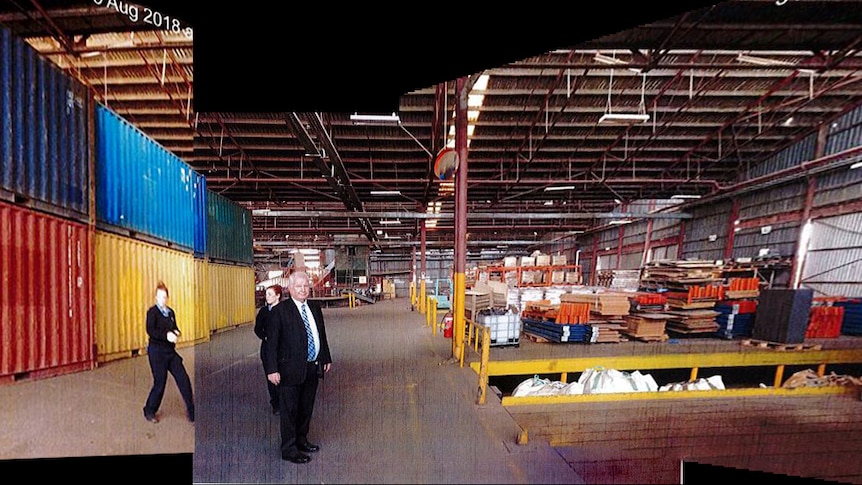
x=46 y=298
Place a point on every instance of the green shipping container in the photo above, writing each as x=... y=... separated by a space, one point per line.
x=229 y=237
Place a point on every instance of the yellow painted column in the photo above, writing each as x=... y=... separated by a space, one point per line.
x=422 y=296
x=459 y=326
x=483 y=366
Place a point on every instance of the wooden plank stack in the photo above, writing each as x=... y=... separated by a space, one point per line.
x=690 y=322
x=606 y=303
x=647 y=326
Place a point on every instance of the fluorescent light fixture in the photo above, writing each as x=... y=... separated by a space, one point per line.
x=855 y=165
x=599 y=57
x=623 y=118
x=391 y=119
x=613 y=61
x=561 y=187
x=390 y=222
x=549 y=202
x=91 y=54
x=684 y=196
x=761 y=61
x=620 y=221
x=385 y=192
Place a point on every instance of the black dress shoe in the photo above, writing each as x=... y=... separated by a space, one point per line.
x=307 y=447
x=296 y=458
x=151 y=418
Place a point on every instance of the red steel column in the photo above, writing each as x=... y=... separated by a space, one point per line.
x=460 y=263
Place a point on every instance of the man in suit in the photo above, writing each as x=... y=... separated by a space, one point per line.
x=297 y=356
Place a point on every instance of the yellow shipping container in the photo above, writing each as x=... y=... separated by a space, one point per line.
x=203 y=326
x=231 y=295
x=127 y=271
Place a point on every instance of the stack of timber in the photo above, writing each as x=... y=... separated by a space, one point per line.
x=678 y=275
x=692 y=322
x=648 y=327
x=608 y=331
x=602 y=303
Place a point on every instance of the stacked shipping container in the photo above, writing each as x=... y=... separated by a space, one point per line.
x=95 y=214
x=46 y=248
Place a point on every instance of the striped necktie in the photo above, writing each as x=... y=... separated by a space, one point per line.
x=311 y=350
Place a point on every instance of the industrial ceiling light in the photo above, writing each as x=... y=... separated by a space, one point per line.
x=623 y=118
x=761 y=61
x=385 y=192
x=855 y=165
x=611 y=118
x=599 y=57
x=620 y=221
x=684 y=196
x=390 y=222
x=561 y=187
x=384 y=120
x=613 y=61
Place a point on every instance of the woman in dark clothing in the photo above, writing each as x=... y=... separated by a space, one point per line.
x=161 y=350
x=273 y=297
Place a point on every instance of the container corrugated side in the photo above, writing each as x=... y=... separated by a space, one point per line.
x=199 y=199
x=44 y=133
x=229 y=234
x=203 y=326
x=142 y=187
x=127 y=271
x=231 y=295
x=46 y=296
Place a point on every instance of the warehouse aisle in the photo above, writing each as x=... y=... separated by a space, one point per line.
x=392 y=410
x=93 y=413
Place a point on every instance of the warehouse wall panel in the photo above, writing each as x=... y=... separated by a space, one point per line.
x=845 y=132
x=46 y=299
x=801 y=151
x=833 y=262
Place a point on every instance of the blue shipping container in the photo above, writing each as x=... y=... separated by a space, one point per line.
x=44 y=122
x=143 y=187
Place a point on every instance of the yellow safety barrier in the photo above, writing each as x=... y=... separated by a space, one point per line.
x=432 y=305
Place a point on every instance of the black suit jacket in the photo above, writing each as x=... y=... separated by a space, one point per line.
x=260 y=324
x=287 y=343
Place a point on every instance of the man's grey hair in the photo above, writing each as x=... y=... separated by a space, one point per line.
x=296 y=275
